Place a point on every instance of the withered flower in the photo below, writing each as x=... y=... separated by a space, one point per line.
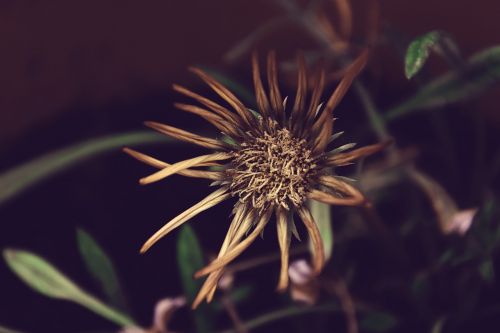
x=272 y=161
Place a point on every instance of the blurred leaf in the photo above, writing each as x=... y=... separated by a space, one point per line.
x=487 y=271
x=7 y=330
x=47 y=280
x=190 y=259
x=101 y=268
x=480 y=72
x=438 y=325
x=322 y=216
x=18 y=179
x=378 y=322
x=419 y=50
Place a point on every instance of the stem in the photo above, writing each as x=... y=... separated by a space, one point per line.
x=376 y=120
x=228 y=304
x=266 y=259
x=285 y=313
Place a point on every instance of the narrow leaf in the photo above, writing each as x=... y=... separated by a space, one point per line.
x=190 y=260
x=44 y=278
x=479 y=73
x=322 y=216
x=101 y=268
x=419 y=50
x=15 y=181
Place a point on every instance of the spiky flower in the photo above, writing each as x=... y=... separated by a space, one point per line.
x=271 y=161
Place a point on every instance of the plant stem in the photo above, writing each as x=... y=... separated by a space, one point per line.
x=285 y=313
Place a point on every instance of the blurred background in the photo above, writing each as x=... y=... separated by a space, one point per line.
x=73 y=71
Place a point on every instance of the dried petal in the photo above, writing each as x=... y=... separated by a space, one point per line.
x=312 y=229
x=284 y=237
x=211 y=200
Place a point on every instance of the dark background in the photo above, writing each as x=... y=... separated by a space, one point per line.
x=73 y=70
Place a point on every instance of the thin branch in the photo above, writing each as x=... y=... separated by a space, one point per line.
x=231 y=310
x=266 y=259
x=338 y=287
x=285 y=313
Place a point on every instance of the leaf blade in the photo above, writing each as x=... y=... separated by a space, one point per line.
x=322 y=216
x=480 y=72
x=101 y=268
x=420 y=48
x=44 y=278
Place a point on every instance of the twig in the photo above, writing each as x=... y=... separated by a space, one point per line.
x=338 y=287
x=230 y=308
x=284 y=313
x=266 y=259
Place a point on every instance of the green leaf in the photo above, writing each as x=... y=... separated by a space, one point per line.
x=190 y=259
x=7 y=330
x=47 y=280
x=419 y=50
x=22 y=177
x=101 y=268
x=378 y=322
x=479 y=73
x=322 y=216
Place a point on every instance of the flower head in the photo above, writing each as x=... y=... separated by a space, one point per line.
x=271 y=161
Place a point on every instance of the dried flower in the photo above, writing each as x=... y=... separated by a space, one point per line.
x=272 y=162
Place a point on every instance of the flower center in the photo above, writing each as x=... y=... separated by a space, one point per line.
x=272 y=169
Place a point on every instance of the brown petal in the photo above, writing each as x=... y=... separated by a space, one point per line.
x=183 y=135
x=312 y=229
x=239 y=226
x=207 y=289
x=235 y=251
x=345 y=158
x=182 y=165
x=284 y=237
x=217 y=121
x=350 y=196
x=322 y=124
x=211 y=200
x=316 y=95
x=228 y=96
x=260 y=93
x=214 y=175
x=218 y=109
x=300 y=96
x=275 y=95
